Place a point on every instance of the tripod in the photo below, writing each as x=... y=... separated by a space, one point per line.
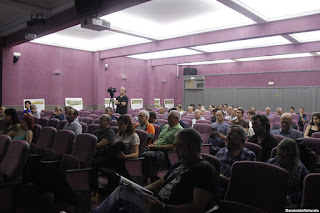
x=112 y=102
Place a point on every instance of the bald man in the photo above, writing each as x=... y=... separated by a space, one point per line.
x=286 y=129
x=122 y=102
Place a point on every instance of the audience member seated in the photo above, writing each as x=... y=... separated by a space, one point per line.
x=279 y=111
x=211 y=107
x=66 y=109
x=193 y=107
x=268 y=111
x=314 y=125
x=2 y=115
x=27 y=110
x=58 y=114
x=263 y=137
x=162 y=112
x=234 y=114
x=286 y=130
x=26 y=125
x=253 y=109
x=188 y=186
x=240 y=121
x=225 y=107
x=288 y=159
x=145 y=125
x=221 y=107
x=219 y=131
x=234 y=151
x=153 y=119
x=72 y=124
x=104 y=134
x=213 y=115
x=190 y=110
x=228 y=114
x=109 y=111
x=166 y=142
x=197 y=116
x=203 y=111
x=181 y=122
x=12 y=126
x=34 y=111
x=291 y=110
x=179 y=108
x=250 y=114
x=302 y=118
x=199 y=106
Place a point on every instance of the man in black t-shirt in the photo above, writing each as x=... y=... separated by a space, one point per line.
x=104 y=134
x=189 y=185
x=122 y=102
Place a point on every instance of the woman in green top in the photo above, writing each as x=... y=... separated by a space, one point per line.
x=12 y=126
x=26 y=125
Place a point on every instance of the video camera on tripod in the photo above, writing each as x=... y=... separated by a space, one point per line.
x=112 y=90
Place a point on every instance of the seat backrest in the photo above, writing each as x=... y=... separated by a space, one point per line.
x=93 y=116
x=36 y=133
x=15 y=160
x=258 y=184
x=92 y=128
x=276 y=120
x=98 y=112
x=36 y=120
x=87 y=120
x=203 y=121
x=315 y=135
x=43 y=121
x=295 y=118
x=48 y=114
x=85 y=113
x=188 y=121
x=62 y=123
x=231 y=206
x=313 y=144
x=213 y=160
x=279 y=138
x=2 y=123
x=274 y=152
x=54 y=122
x=63 y=142
x=84 y=149
x=257 y=149
x=115 y=129
x=157 y=132
x=96 y=121
x=4 y=143
x=311 y=189
x=162 y=121
x=204 y=130
x=46 y=138
x=271 y=121
x=143 y=135
x=114 y=123
x=84 y=127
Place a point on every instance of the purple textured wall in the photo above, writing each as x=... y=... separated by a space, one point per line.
x=32 y=76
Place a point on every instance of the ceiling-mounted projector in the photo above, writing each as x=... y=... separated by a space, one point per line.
x=95 y=24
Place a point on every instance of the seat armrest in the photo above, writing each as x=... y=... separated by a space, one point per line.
x=79 y=179
x=135 y=159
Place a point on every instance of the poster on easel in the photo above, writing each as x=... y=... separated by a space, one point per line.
x=157 y=103
x=108 y=104
x=38 y=102
x=136 y=103
x=75 y=103
x=168 y=103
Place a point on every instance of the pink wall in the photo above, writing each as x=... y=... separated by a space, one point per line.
x=32 y=76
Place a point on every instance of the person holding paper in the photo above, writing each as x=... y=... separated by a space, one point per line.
x=188 y=186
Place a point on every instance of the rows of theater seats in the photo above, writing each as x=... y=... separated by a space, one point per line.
x=50 y=141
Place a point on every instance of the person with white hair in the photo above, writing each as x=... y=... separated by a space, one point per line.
x=268 y=111
x=197 y=116
x=279 y=111
x=145 y=125
x=34 y=111
x=166 y=141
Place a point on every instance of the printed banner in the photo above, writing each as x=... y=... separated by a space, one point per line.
x=157 y=103
x=168 y=103
x=76 y=103
x=108 y=104
x=136 y=103
x=38 y=102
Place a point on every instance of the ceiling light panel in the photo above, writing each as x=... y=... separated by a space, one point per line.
x=276 y=10
x=298 y=55
x=161 y=19
x=208 y=62
x=307 y=36
x=165 y=54
x=89 y=40
x=243 y=44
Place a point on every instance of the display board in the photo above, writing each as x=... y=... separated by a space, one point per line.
x=76 y=103
x=157 y=102
x=136 y=103
x=168 y=103
x=38 y=102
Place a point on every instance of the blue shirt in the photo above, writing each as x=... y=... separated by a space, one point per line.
x=227 y=161
x=292 y=133
x=222 y=128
